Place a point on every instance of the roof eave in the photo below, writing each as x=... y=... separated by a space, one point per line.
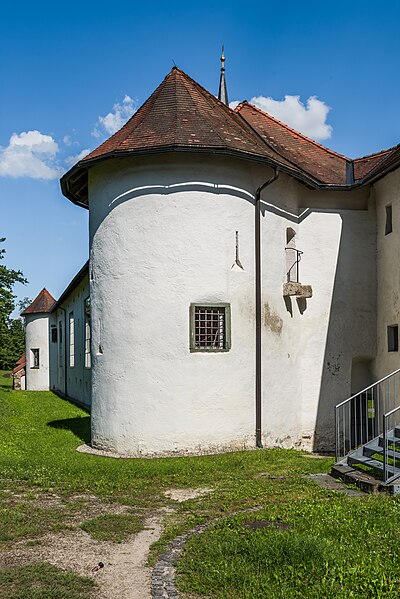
x=83 y=166
x=378 y=172
x=72 y=285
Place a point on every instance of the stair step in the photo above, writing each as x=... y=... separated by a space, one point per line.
x=375 y=447
x=357 y=457
x=392 y=437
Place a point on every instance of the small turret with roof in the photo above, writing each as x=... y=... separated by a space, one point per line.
x=42 y=303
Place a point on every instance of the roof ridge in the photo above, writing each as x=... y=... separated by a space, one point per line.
x=293 y=130
x=261 y=138
x=206 y=93
x=229 y=111
x=389 y=150
x=138 y=116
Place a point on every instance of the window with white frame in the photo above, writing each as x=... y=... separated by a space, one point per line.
x=210 y=327
x=71 y=340
x=88 y=362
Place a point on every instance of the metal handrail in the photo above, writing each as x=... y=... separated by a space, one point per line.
x=386 y=440
x=368 y=388
x=366 y=414
x=299 y=254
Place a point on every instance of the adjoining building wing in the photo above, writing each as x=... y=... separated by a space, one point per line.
x=319 y=162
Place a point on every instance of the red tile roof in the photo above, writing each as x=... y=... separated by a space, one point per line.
x=322 y=164
x=20 y=364
x=42 y=303
x=181 y=115
x=364 y=165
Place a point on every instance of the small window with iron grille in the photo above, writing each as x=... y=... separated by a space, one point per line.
x=34 y=358
x=210 y=327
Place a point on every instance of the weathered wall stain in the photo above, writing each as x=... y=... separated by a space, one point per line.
x=272 y=320
x=333 y=364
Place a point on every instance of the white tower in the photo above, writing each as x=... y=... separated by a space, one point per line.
x=37 y=341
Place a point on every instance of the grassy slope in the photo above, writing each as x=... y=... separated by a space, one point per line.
x=316 y=557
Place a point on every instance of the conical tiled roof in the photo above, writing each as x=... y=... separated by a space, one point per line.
x=43 y=302
x=179 y=115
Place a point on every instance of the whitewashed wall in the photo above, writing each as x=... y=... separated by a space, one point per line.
x=387 y=191
x=74 y=382
x=162 y=234
x=37 y=337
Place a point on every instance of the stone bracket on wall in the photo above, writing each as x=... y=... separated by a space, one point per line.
x=297 y=289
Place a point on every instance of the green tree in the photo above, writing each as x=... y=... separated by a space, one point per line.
x=12 y=337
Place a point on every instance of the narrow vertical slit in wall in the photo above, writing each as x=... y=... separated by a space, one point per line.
x=237 y=259
x=393 y=337
x=389 y=222
x=100 y=339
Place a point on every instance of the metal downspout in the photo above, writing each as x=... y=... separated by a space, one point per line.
x=65 y=352
x=258 y=291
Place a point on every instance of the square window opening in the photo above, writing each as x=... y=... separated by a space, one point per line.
x=393 y=337
x=210 y=327
x=389 y=221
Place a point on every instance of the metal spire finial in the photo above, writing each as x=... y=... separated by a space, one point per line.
x=223 y=92
x=223 y=59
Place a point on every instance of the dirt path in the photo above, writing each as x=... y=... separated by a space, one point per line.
x=125 y=574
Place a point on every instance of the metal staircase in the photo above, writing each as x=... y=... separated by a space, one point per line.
x=368 y=429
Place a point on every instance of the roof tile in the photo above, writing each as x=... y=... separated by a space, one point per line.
x=42 y=303
x=319 y=162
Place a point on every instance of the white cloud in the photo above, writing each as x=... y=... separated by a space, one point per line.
x=71 y=160
x=234 y=104
x=309 y=118
x=116 y=118
x=67 y=140
x=30 y=154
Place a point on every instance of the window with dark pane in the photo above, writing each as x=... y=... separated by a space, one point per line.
x=389 y=219
x=393 y=337
x=210 y=327
x=34 y=358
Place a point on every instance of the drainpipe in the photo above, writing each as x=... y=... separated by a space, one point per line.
x=65 y=353
x=257 y=222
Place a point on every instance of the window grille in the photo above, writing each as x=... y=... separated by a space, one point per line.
x=71 y=340
x=210 y=327
x=35 y=358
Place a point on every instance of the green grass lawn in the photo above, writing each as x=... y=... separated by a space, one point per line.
x=335 y=546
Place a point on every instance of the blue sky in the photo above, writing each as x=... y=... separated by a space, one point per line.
x=65 y=64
